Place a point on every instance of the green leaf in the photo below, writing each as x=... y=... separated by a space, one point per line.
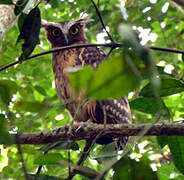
x=107 y=155
x=169 y=86
x=107 y=81
x=7 y=89
x=182 y=57
x=130 y=169
x=65 y=145
x=9 y=2
x=129 y=38
x=166 y=170
x=21 y=19
x=142 y=63
x=43 y=177
x=52 y=158
x=41 y=90
x=60 y=145
x=162 y=140
x=55 y=3
x=30 y=32
x=29 y=106
x=5 y=137
x=87 y=172
x=20 y=5
x=149 y=105
x=176 y=146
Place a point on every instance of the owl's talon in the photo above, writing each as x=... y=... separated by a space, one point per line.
x=56 y=131
x=79 y=127
x=89 y=121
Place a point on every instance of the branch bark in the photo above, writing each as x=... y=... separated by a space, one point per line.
x=84 y=131
x=179 y=2
x=111 y=45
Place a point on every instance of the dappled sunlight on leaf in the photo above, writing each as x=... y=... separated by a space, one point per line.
x=109 y=80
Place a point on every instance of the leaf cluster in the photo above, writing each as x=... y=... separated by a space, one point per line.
x=28 y=100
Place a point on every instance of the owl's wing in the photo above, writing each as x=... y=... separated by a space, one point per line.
x=90 y=56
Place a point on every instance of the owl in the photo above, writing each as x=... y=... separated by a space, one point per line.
x=111 y=111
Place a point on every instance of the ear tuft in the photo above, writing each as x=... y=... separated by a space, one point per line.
x=45 y=24
x=84 y=20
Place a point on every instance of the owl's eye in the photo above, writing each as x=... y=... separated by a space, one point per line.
x=56 y=32
x=74 y=30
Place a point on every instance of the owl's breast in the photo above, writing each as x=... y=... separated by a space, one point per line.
x=64 y=59
x=61 y=62
x=67 y=95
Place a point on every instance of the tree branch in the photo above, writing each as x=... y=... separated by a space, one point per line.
x=179 y=2
x=101 y=20
x=84 y=131
x=60 y=49
x=177 y=6
x=83 y=157
x=112 y=45
x=21 y=158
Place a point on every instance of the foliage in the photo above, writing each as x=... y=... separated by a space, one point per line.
x=97 y=81
x=28 y=100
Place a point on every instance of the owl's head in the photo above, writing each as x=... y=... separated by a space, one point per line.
x=66 y=33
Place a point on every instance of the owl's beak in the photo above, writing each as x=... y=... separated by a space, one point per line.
x=66 y=41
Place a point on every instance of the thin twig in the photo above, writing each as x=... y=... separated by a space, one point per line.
x=112 y=45
x=39 y=169
x=98 y=4
x=177 y=6
x=108 y=54
x=54 y=145
x=72 y=174
x=89 y=144
x=88 y=171
x=101 y=20
x=179 y=2
x=69 y=159
x=177 y=51
x=83 y=157
x=21 y=157
x=129 y=146
x=59 y=49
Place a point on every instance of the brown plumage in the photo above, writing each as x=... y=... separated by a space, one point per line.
x=113 y=110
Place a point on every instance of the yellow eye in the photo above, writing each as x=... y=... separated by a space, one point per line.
x=74 y=30
x=56 y=32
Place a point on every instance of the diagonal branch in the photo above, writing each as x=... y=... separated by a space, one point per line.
x=179 y=2
x=83 y=157
x=85 y=153
x=101 y=20
x=84 y=131
x=21 y=157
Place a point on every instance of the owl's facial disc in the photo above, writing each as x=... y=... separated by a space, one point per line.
x=65 y=33
x=59 y=36
x=55 y=35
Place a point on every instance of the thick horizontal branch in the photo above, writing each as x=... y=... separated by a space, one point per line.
x=83 y=131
